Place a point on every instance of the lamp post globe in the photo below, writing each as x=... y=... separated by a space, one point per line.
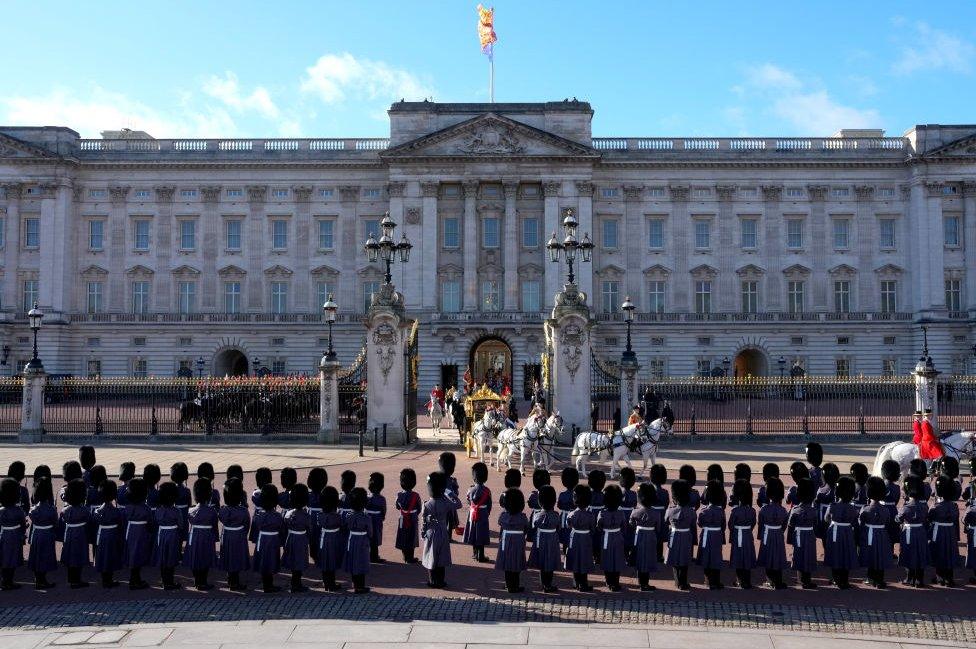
x=34 y=318
x=387 y=248
x=330 y=308
x=628 y=307
x=570 y=245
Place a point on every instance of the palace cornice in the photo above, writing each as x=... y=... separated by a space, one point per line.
x=227 y=164
x=749 y=164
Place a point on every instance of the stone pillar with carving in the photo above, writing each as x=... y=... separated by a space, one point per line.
x=818 y=246
x=430 y=243
x=552 y=225
x=727 y=249
x=510 y=257
x=164 y=295
x=386 y=336
x=32 y=404
x=859 y=233
x=115 y=245
x=630 y=241
x=350 y=294
x=681 y=289
x=628 y=386
x=773 y=244
x=969 y=222
x=210 y=226
x=306 y=244
x=469 y=231
x=9 y=253
x=568 y=334
x=934 y=292
x=328 y=401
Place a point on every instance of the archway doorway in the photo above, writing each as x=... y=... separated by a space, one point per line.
x=491 y=363
x=751 y=362
x=231 y=362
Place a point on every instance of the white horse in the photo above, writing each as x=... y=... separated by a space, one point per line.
x=645 y=440
x=958 y=444
x=527 y=442
x=551 y=432
x=595 y=443
x=483 y=433
x=436 y=414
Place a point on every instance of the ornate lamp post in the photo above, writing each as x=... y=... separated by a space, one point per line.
x=387 y=248
x=629 y=356
x=330 y=308
x=34 y=317
x=570 y=245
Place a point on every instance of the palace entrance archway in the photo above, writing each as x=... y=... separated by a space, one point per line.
x=751 y=362
x=230 y=362
x=491 y=363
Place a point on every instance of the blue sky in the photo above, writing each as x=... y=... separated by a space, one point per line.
x=180 y=69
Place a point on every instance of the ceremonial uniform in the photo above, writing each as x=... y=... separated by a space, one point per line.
x=581 y=524
x=565 y=506
x=611 y=527
x=479 y=509
x=969 y=524
x=892 y=496
x=644 y=525
x=742 y=520
x=356 y=556
x=74 y=536
x=663 y=501
x=512 y=529
x=840 y=546
x=201 y=553
x=681 y=535
x=627 y=507
x=267 y=531
x=13 y=525
x=169 y=538
x=913 y=539
x=545 y=553
x=234 y=552
x=298 y=530
x=816 y=477
x=802 y=533
x=943 y=520
x=42 y=557
x=438 y=518
x=331 y=549
x=772 y=543
x=376 y=510
x=408 y=531
x=929 y=447
x=533 y=504
x=825 y=497
x=139 y=535
x=109 y=538
x=711 y=523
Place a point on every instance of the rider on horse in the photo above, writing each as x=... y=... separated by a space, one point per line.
x=929 y=447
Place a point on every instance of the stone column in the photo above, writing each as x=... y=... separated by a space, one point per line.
x=568 y=334
x=861 y=240
x=552 y=224
x=818 y=247
x=386 y=337
x=680 y=226
x=926 y=386
x=934 y=291
x=431 y=244
x=773 y=216
x=726 y=251
x=628 y=385
x=511 y=243
x=115 y=245
x=305 y=245
x=969 y=221
x=11 y=289
x=162 y=295
x=352 y=246
x=53 y=230
x=632 y=242
x=584 y=215
x=470 y=245
x=255 y=245
x=328 y=401
x=32 y=405
x=210 y=230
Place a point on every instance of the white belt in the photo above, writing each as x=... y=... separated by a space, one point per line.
x=545 y=530
x=129 y=525
x=352 y=534
x=705 y=531
x=767 y=529
x=37 y=527
x=835 y=525
x=9 y=528
x=238 y=528
x=373 y=512
x=823 y=511
x=889 y=504
x=799 y=537
x=676 y=529
x=257 y=548
x=182 y=506
x=565 y=518
x=739 y=529
x=643 y=528
x=573 y=534
x=935 y=529
x=660 y=508
x=595 y=508
x=159 y=531
x=330 y=530
x=75 y=524
x=98 y=536
x=871 y=529
x=626 y=509
x=505 y=534
x=314 y=509
x=908 y=528
x=606 y=535
x=198 y=527
x=404 y=511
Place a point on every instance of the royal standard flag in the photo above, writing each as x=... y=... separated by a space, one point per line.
x=486 y=29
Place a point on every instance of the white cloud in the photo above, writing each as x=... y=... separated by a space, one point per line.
x=227 y=89
x=808 y=109
x=98 y=109
x=934 y=49
x=334 y=78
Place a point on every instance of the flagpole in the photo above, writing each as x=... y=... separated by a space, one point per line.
x=491 y=78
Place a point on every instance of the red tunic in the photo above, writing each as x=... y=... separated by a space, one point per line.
x=917 y=432
x=929 y=448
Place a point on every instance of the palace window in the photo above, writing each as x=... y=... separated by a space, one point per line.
x=794 y=192
x=234 y=193
x=750 y=236
x=140 y=297
x=703 y=296
x=187 y=294
x=232 y=297
x=450 y=296
x=233 y=232
x=889 y=296
x=371 y=227
x=452 y=233
x=96 y=234
x=842 y=231
x=188 y=193
x=886 y=192
x=94 y=368
x=326 y=193
x=840 y=192
x=490 y=296
x=842 y=367
x=950 y=228
x=702 y=234
x=794 y=233
x=140 y=234
x=750 y=296
x=371 y=192
x=490 y=235
x=370 y=289
x=795 y=296
x=953 y=294
x=326 y=234
x=140 y=368
x=188 y=234
x=656 y=229
x=30 y=294
x=531 y=296
x=141 y=193
x=886 y=233
x=279 y=193
x=279 y=297
x=32 y=233
x=889 y=366
x=608 y=192
x=97 y=193
x=279 y=234
x=611 y=296
x=658 y=368
x=656 y=296
x=842 y=296
x=322 y=292
x=530 y=232
x=610 y=233
x=95 y=297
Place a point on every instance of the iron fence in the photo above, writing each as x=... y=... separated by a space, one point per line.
x=162 y=406
x=352 y=393
x=808 y=405
x=11 y=394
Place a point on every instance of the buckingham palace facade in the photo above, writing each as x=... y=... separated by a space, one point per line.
x=754 y=253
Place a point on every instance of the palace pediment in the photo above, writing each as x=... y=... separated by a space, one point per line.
x=490 y=135
x=11 y=147
x=962 y=148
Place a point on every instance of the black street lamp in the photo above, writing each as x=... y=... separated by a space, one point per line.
x=386 y=247
x=781 y=361
x=200 y=363
x=629 y=356
x=34 y=317
x=570 y=245
x=330 y=308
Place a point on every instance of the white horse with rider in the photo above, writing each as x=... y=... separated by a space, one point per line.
x=535 y=441
x=484 y=433
x=957 y=443
x=640 y=436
